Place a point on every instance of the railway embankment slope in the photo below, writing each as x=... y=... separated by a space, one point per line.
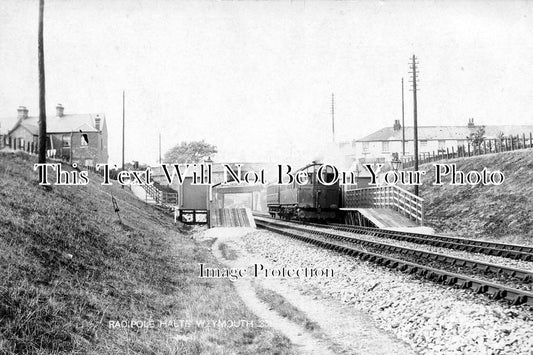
x=73 y=279
x=503 y=212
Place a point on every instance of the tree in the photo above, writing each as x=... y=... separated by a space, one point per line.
x=477 y=137
x=42 y=105
x=190 y=152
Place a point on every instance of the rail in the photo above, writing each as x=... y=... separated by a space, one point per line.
x=390 y=196
x=341 y=243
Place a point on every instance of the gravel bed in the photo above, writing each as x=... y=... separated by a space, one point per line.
x=497 y=260
x=431 y=318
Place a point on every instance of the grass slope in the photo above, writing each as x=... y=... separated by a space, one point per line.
x=503 y=212
x=68 y=268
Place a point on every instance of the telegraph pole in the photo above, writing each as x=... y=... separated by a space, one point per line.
x=333 y=117
x=403 y=124
x=159 y=148
x=414 y=72
x=123 y=126
x=42 y=102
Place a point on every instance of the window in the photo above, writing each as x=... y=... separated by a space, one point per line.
x=384 y=147
x=65 y=141
x=442 y=144
x=424 y=143
x=89 y=162
x=84 y=141
x=328 y=174
x=365 y=146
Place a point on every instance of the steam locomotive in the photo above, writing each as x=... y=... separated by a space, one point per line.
x=311 y=197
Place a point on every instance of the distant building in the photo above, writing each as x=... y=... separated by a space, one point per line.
x=79 y=138
x=379 y=146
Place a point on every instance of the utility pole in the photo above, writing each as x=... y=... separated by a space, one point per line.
x=123 y=126
x=414 y=72
x=42 y=102
x=403 y=124
x=333 y=117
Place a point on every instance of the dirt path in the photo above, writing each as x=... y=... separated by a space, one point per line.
x=301 y=339
x=347 y=330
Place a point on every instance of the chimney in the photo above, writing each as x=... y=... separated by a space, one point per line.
x=397 y=126
x=59 y=110
x=470 y=123
x=22 y=113
x=97 y=121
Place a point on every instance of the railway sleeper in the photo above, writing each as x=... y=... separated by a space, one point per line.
x=451 y=281
x=498 y=295
x=464 y=284
x=441 y=278
x=411 y=269
x=481 y=289
x=518 y=300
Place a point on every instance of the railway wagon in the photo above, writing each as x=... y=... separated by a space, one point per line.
x=310 y=201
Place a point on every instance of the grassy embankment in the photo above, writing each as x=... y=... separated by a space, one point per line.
x=68 y=268
x=503 y=212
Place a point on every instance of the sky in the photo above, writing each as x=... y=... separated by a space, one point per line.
x=256 y=78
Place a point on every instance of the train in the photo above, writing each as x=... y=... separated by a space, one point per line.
x=310 y=199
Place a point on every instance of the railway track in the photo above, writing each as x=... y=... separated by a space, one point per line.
x=513 y=251
x=346 y=244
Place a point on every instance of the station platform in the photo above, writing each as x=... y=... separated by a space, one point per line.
x=385 y=218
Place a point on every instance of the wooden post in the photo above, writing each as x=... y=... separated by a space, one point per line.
x=523 y=140
x=415 y=117
x=468 y=149
x=42 y=102
x=530 y=140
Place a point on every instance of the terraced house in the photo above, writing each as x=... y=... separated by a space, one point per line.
x=379 y=146
x=77 y=138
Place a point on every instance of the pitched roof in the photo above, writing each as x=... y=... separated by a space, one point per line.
x=444 y=132
x=64 y=124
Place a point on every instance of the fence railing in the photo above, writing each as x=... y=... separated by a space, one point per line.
x=159 y=196
x=391 y=196
x=18 y=144
x=486 y=147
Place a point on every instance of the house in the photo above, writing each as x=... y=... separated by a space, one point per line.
x=78 y=138
x=379 y=146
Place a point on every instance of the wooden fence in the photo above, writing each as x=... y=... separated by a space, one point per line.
x=392 y=196
x=19 y=144
x=486 y=147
